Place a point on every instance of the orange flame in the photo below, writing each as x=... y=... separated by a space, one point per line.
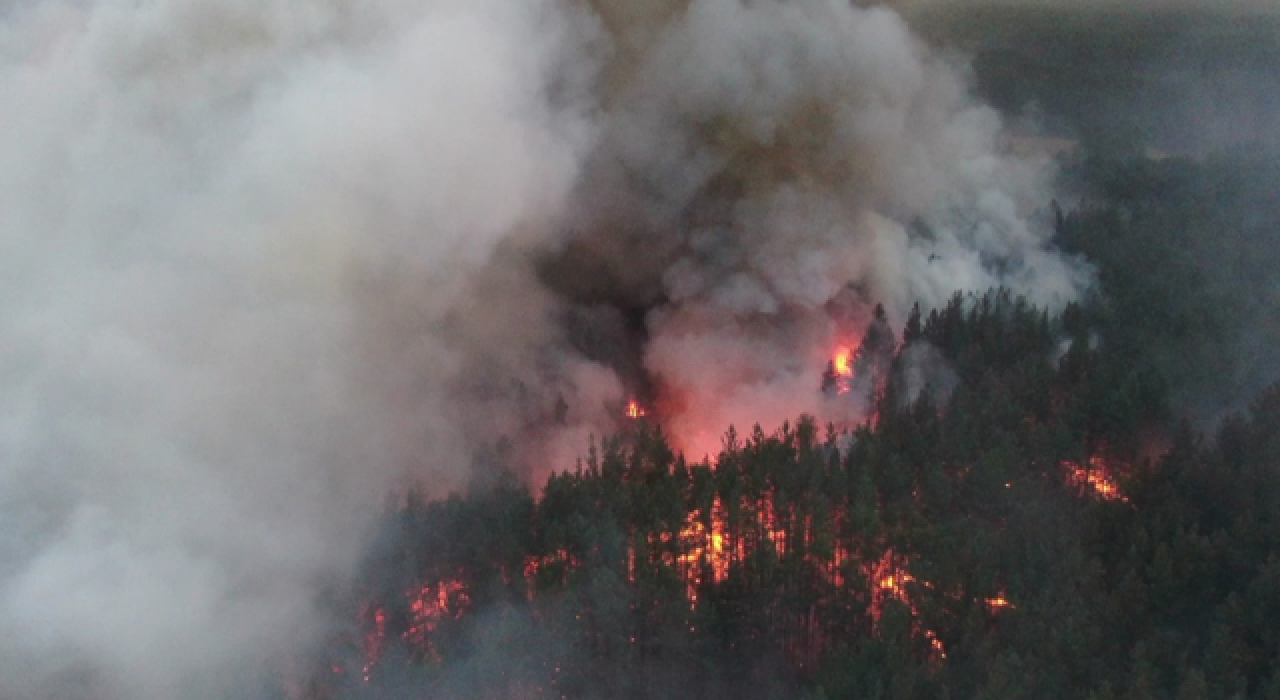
x=889 y=579
x=839 y=375
x=999 y=603
x=703 y=546
x=427 y=606
x=843 y=362
x=634 y=410
x=1096 y=476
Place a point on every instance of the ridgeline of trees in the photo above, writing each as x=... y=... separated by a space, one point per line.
x=1010 y=580
x=951 y=547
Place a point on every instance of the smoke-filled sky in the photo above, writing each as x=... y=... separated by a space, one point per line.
x=755 y=160
x=263 y=260
x=228 y=228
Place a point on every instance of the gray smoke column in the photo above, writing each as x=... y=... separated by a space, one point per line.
x=762 y=164
x=228 y=229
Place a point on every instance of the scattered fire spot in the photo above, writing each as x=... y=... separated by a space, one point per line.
x=999 y=603
x=634 y=410
x=558 y=562
x=889 y=578
x=704 y=549
x=840 y=373
x=843 y=362
x=1097 y=476
x=375 y=641
x=428 y=605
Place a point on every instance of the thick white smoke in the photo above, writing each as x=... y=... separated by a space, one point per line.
x=764 y=156
x=228 y=227
x=261 y=260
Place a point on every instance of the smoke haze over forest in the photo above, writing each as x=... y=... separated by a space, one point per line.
x=263 y=261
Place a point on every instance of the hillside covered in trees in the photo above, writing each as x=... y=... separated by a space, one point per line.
x=1034 y=510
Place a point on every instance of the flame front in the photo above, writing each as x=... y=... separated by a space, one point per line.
x=889 y=579
x=999 y=603
x=704 y=550
x=838 y=378
x=843 y=362
x=1097 y=476
x=710 y=548
x=634 y=409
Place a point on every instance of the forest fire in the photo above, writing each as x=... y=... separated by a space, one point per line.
x=999 y=603
x=807 y=543
x=843 y=362
x=427 y=607
x=1097 y=476
x=838 y=378
x=890 y=579
x=704 y=549
x=555 y=565
x=375 y=639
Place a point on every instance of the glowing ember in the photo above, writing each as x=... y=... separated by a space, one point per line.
x=843 y=362
x=999 y=603
x=375 y=641
x=889 y=579
x=559 y=563
x=935 y=643
x=634 y=410
x=769 y=525
x=704 y=548
x=839 y=375
x=1097 y=476
x=427 y=606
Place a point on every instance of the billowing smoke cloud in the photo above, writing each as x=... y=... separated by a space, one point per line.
x=230 y=230
x=264 y=260
x=763 y=163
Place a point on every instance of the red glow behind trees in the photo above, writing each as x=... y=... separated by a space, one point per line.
x=895 y=532
x=1097 y=476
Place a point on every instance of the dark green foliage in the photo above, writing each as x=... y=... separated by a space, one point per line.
x=585 y=593
x=1187 y=256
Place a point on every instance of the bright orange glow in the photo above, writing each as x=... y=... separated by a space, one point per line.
x=709 y=551
x=1097 y=476
x=843 y=362
x=704 y=548
x=559 y=561
x=999 y=603
x=769 y=526
x=427 y=606
x=889 y=579
x=935 y=643
x=634 y=410
x=841 y=370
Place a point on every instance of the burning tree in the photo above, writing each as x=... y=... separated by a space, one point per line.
x=929 y=548
x=862 y=370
